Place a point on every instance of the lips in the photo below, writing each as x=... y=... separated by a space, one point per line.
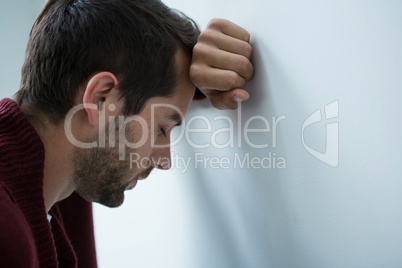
x=141 y=176
x=144 y=174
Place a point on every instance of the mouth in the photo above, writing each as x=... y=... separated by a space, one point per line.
x=141 y=176
x=144 y=174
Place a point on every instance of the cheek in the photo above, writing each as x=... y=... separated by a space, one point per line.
x=137 y=135
x=141 y=154
x=140 y=137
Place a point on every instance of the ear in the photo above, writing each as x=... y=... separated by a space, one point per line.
x=100 y=89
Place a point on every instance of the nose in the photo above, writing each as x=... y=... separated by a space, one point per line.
x=161 y=158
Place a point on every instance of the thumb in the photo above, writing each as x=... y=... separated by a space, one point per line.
x=228 y=99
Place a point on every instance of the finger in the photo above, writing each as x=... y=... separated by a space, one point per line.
x=228 y=100
x=206 y=77
x=239 y=95
x=226 y=42
x=224 y=60
x=229 y=28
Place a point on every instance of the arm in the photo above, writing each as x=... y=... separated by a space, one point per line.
x=221 y=63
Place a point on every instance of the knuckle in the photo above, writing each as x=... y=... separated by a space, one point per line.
x=207 y=35
x=243 y=65
x=195 y=73
x=231 y=80
x=200 y=51
x=241 y=82
x=246 y=35
x=251 y=72
x=196 y=49
x=216 y=22
x=247 y=50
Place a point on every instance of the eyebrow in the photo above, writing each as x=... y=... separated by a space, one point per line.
x=175 y=117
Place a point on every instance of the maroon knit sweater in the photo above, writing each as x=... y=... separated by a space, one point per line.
x=27 y=239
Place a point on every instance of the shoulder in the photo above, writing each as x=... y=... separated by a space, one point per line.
x=17 y=246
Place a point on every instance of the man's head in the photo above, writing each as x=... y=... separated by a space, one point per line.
x=72 y=40
x=134 y=145
x=117 y=58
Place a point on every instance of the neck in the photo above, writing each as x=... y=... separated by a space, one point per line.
x=57 y=182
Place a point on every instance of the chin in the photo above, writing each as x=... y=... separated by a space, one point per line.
x=111 y=200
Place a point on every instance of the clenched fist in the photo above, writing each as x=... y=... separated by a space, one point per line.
x=221 y=63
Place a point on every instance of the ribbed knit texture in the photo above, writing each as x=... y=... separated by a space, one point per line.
x=21 y=175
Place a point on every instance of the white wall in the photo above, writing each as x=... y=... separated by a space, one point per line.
x=16 y=19
x=307 y=54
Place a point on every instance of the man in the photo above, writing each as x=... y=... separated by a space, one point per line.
x=102 y=81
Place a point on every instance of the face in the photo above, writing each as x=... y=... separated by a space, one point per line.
x=103 y=174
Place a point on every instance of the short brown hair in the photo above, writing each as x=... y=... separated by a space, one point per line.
x=72 y=39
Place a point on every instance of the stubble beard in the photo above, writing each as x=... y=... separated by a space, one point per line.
x=98 y=173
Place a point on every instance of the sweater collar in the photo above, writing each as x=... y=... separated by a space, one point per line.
x=23 y=152
x=21 y=170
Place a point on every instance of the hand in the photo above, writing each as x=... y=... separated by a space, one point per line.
x=221 y=63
